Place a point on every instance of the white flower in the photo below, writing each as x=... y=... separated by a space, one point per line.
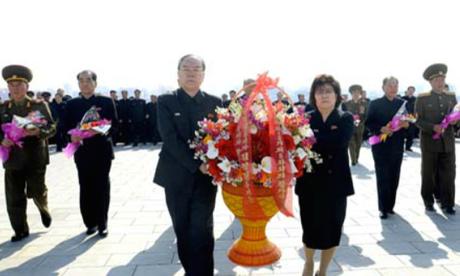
x=266 y=164
x=212 y=152
x=253 y=129
x=301 y=153
x=225 y=165
x=305 y=131
x=297 y=139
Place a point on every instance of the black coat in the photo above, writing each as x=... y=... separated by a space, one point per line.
x=381 y=111
x=98 y=146
x=177 y=166
x=332 y=176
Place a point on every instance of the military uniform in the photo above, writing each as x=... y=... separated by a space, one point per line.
x=357 y=108
x=411 y=131
x=26 y=167
x=438 y=155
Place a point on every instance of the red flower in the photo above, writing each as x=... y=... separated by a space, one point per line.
x=299 y=164
x=213 y=169
x=289 y=142
x=227 y=149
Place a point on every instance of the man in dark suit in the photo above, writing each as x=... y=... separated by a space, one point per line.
x=438 y=155
x=138 y=116
x=25 y=167
x=124 y=118
x=389 y=153
x=411 y=132
x=94 y=157
x=152 y=128
x=190 y=194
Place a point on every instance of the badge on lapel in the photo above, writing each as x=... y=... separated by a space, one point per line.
x=177 y=114
x=334 y=127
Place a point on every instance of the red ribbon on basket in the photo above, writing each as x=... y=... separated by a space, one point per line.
x=281 y=175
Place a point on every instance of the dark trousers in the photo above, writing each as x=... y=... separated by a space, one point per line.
x=410 y=132
x=355 y=144
x=438 y=171
x=94 y=191
x=138 y=132
x=387 y=170
x=20 y=185
x=61 y=138
x=192 y=220
x=124 y=132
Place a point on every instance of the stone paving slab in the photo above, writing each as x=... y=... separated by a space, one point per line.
x=141 y=240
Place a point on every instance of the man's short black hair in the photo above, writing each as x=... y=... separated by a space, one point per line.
x=182 y=59
x=89 y=72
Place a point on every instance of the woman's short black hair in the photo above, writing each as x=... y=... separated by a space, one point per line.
x=322 y=80
x=182 y=59
x=89 y=72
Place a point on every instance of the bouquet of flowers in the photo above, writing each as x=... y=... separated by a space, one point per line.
x=254 y=144
x=394 y=124
x=451 y=117
x=356 y=119
x=16 y=130
x=90 y=125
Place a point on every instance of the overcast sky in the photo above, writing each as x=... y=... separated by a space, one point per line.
x=138 y=43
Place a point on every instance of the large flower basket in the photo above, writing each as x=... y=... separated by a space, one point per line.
x=254 y=150
x=252 y=248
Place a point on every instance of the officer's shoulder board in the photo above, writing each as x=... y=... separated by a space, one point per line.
x=449 y=93
x=425 y=94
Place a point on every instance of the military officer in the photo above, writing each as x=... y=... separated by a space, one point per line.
x=411 y=132
x=138 y=117
x=25 y=168
x=438 y=155
x=358 y=107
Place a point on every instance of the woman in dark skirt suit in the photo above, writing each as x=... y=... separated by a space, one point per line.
x=323 y=192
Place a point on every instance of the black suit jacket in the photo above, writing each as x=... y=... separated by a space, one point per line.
x=177 y=169
x=332 y=176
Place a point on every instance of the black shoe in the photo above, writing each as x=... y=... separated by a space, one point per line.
x=383 y=215
x=91 y=230
x=103 y=232
x=19 y=236
x=46 y=219
x=449 y=210
x=391 y=212
x=429 y=208
x=409 y=150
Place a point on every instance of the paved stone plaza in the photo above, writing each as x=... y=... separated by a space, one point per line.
x=141 y=240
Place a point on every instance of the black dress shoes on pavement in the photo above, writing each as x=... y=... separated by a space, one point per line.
x=91 y=230
x=383 y=215
x=429 y=208
x=19 y=236
x=46 y=219
x=449 y=210
x=103 y=232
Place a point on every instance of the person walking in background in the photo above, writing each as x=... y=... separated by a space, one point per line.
x=58 y=110
x=94 y=157
x=25 y=167
x=438 y=154
x=411 y=131
x=152 y=125
x=138 y=116
x=323 y=192
x=190 y=194
x=358 y=108
x=389 y=153
x=124 y=118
